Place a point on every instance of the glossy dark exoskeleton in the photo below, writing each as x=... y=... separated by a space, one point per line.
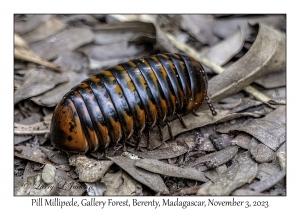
x=127 y=100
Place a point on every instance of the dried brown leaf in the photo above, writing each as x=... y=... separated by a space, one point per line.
x=57 y=157
x=44 y=30
x=266 y=170
x=73 y=61
x=124 y=32
x=52 y=97
x=267 y=55
x=242 y=140
x=217 y=158
x=62 y=42
x=22 y=52
x=113 y=51
x=159 y=167
x=153 y=181
x=242 y=171
x=120 y=183
x=30 y=22
x=32 y=169
x=267 y=183
x=270 y=130
x=19 y=139
x=204 y=118
x=67 y=186
x=39 y=82
x=273 y=80
x=164 y=153
x=161 y=38
x=245 y=104
x=200 y=26
x=223 y=51
x=225 y=26
x=29 y=153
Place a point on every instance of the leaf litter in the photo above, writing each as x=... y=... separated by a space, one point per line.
x=242 y=150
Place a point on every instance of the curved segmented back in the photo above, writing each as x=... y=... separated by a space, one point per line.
x=127 y=100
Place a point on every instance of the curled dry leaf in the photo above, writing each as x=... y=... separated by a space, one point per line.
x=44 y=30
x=153 y=181
x=89 y=170
x=159 y=167
x=242 y=171
x=38 y=82
x=120 y=183
x=62 y=42
x=217 y=158
x=266 y=55
x=52 y=97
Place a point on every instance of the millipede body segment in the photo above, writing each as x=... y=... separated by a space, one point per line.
x=128 y=99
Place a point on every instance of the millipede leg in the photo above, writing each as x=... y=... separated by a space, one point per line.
x=148 y=138
x=194 y=113
x=124 y=147
x=106 y=152
x=181 y=121
x=169 y=129
x=211 y=107
x=160 y=131
x=137 y=138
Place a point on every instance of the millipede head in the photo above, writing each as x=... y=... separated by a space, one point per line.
x=66 y=131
